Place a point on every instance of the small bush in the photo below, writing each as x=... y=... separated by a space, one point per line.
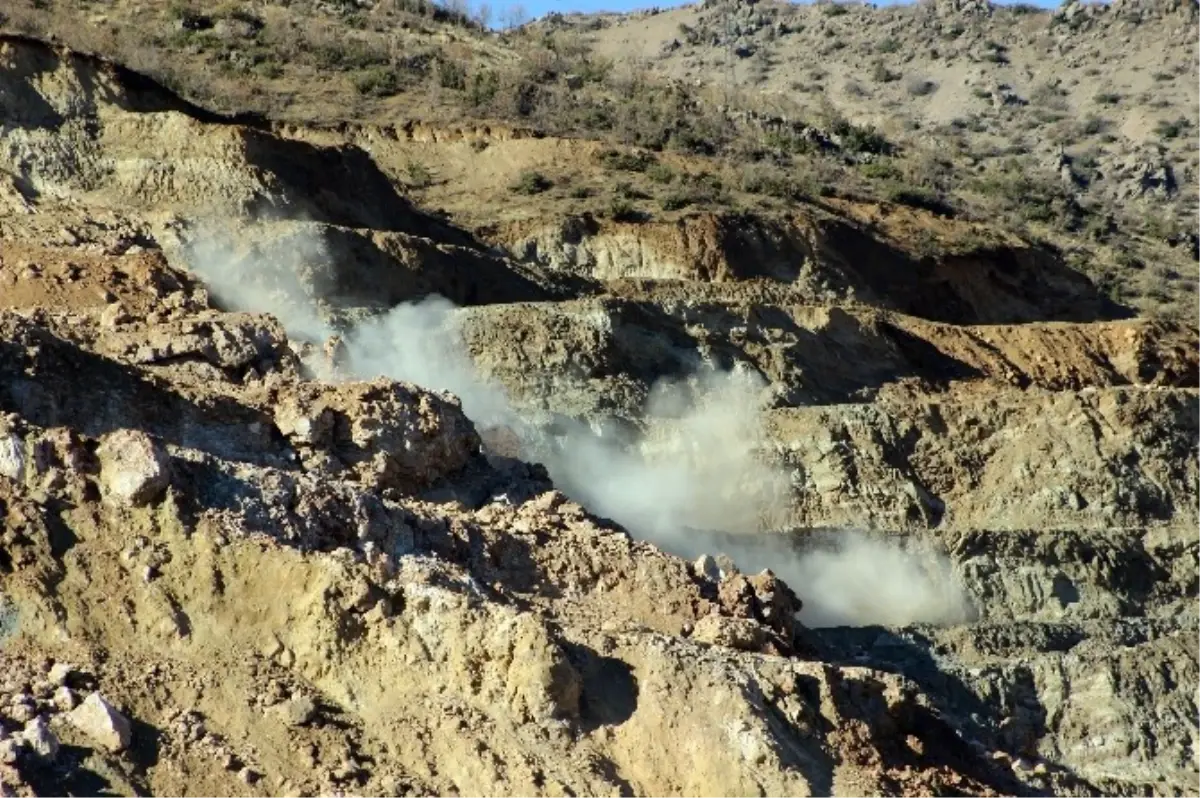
x=688 y=34
x=377 y=82
x=919 y=197
x=530 y=183
x=482 y=88
x=619 y=161
x=268 y=69
x=624 y=188
x=347 y=55
x=921 y=87
x=660 y=173
x=622 y=210
x=1107 y=98
x=881 y=74
x=706 y=183
x=675 y=201
x=789 y=142
x=888 y=44
x=417 y=175
x=580 y=192
x=834 y=9
x=880 y=170
x=1171 y=129
x=593 y=70
x=1033 y=198
x=863 y=139
x=1093 y=125
x=451 y=75
x=1049 y=95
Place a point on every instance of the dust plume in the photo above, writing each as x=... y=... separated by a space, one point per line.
x=696 y=467
x=856 y=579
x=418 y=342
x=696 y=481
x=281 y=278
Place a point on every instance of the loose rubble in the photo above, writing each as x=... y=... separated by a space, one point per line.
x=221 y=575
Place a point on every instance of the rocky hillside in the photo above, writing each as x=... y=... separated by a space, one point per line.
x=1073 y=128
x=408 y=457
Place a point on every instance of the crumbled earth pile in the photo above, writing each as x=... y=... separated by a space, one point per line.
x=230 y=563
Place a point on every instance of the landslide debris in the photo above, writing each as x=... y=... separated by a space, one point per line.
x=240 y=557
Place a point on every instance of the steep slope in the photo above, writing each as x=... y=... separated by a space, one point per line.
x=1072 y=127
x=365 y=544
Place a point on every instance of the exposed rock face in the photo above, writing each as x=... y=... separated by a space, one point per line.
x=394 y=436
x=315 y=587
x=825 y=258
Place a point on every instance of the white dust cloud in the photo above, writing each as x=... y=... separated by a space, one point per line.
x=863 y=580
x=694 y=483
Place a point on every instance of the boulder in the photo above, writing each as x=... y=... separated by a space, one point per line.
x=98 y=719
x=134 y=469
x=738 y=633
x=39 y=738
x=395 y=435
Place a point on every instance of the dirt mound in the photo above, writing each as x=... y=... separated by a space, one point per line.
x=682 y=523
x=555 y=639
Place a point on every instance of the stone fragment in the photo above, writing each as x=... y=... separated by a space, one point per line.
x=39 y=738
x=12 y=456
x=726 y=566
x=113 y=315
x=134 y=469
x=706 y=567
x=299 y=711
x=59 y=673
x=65 y=698
x=394 y=435
x=98 y=719
x=22 y=709
x=10 y=750
x=737 y=633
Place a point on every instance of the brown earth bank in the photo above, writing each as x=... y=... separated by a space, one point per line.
x=836 y=497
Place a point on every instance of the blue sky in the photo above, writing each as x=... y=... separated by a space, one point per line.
x=537 y=8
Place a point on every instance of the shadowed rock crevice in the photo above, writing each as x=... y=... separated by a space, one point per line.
x=36 y=383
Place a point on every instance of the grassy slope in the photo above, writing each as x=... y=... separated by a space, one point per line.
x=1057 y=130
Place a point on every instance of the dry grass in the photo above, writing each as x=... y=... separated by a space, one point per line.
x=408 y=59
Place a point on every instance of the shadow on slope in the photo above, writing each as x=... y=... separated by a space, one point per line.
x=43 y=86
x=52 y=382
x=988 y=283
x=960 y=723
x=893 y=257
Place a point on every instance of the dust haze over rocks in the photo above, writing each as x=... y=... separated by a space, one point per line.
x=298 y=527
x=694 y=481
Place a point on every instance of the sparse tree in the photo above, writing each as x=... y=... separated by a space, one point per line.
x=514 y=16
x=483 y=15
